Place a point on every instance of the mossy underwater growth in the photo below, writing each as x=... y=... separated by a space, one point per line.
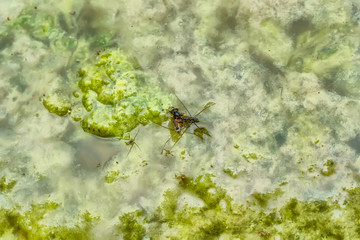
x=107 y=97
x=199 y=209
x=131 y=226
x=61 y=31
x=111 y=99
x=18 y=224
x=6 y=185
x=323 y=50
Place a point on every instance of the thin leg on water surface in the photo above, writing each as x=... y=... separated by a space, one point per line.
x=162 y=150
x=179 y=138
x=183 y=105
x=171 y=129
x=129 y=150
x=181 y=134
x=209 y=104
x=132 y=143
x=132 y=147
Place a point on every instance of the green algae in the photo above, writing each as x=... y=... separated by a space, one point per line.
x=220 y=217
x=62 y=32
x=57 y=103
x=204 y=188
x=200 y=131
x=235 y=174
x=112 y=176
x=322 y=50
x=131 y=226
x=108 y=97
x=18 y=224
x=112 y=78
x=250 y=156
x=38 y=24
x=6 y=185
x=177 y=218
x=262 y=199
x=326 y=49
x=310 y=220
x=270 y=39
x=48 y=29
x=329 y=168
x=114 y=99
x=197 y=222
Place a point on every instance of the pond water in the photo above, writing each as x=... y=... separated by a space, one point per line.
x=81 y=160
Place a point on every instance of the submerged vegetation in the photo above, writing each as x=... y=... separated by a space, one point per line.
x=16 y=224
x=112 y=100
x=198 y=209
x=283 y=158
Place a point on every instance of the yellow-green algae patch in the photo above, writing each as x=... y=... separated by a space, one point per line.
x=112 y=176
x=220 y=217
x=113 y=99
x=271 y=40
x=56 y=103
x=131 y=225
x=325 y=49
x=59 y=30
x=6 y=185
x=329 y=168
x=235 y=174
x=210 y=213
x=18 y=224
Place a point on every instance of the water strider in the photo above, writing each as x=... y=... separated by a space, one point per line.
x=181 y=123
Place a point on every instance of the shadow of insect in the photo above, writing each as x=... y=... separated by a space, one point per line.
x=131 y=142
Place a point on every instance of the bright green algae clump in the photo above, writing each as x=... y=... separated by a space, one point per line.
x=199 y=209
x=6 y=185
x=17 y=224
x=112 y=99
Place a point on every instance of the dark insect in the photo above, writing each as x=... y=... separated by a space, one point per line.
x=182 y=122
x=179 y=119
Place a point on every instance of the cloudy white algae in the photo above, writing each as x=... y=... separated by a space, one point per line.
x=83 y=82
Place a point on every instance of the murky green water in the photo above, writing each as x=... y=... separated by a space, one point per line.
x=283 y=158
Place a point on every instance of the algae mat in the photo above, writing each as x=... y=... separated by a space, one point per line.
x=88 y=150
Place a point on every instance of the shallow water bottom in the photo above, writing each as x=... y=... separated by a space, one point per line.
x=282 y=160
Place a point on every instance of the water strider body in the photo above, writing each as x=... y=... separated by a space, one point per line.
x=180 y=120
x=182 y=123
